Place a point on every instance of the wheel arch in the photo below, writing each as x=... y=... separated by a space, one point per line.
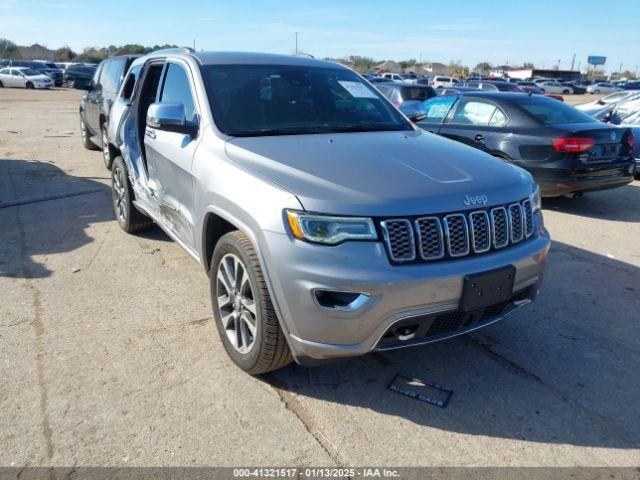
x=217 y=223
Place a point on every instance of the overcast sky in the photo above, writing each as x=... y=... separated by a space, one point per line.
x=513 y=31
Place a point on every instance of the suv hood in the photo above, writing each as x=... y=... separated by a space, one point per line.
x=380 y=173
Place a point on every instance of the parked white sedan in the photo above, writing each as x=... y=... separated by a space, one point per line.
x=551 y=86
x=24 y=77
x=602 y=87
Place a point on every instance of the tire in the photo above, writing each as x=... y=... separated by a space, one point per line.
x=85 y=135
x=597 y=92
x=29 y=85
x=543 y=90
x=565 y=92
x=265 y=348
x=1 y=85
x=130 y=219
x=108 y=152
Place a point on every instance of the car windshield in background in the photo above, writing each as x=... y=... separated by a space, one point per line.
x=549 y=111
x=255 y=100
x=29 y=71
x=416 y=93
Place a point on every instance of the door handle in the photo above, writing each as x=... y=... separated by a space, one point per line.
x=479 y=138
x=150 y=133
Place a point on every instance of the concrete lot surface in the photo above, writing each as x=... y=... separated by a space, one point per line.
x=109 y=355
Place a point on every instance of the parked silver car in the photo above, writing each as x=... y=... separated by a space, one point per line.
x=329 y=225
x=24 y=77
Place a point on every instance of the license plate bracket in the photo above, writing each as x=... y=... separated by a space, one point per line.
x=480 y=290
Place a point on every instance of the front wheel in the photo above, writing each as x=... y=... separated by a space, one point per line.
x=565 y=92
x=29 y=85
x=597 y=92
x=242 y=308
x=130 y=219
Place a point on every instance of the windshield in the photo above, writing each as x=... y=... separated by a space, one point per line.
x=417 y=93
x=550 y=111
x=254 y=100
x=29 y=71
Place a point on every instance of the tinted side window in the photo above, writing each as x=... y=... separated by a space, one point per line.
x=176 y=89
x=130 y=82
x=473 y=112
x=95 y=79
x=437 y=108
x=112 y=75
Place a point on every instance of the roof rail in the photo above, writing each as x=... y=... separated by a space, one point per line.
x=173 y=50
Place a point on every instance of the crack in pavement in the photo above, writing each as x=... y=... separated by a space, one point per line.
x=30 y=201
x=605 y=423
x=292 y=404
x=38 y=327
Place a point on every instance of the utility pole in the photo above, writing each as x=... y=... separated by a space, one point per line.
x=194 y=44
x=636 y=72
x=573 y=61
x=296 y=43
x=620 y=71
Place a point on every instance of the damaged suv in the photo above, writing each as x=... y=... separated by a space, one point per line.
x=329 y=225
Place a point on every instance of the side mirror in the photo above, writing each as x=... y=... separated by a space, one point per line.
x=416 y=117
x=170 y=117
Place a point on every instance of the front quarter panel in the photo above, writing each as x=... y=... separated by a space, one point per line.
x=249 y=201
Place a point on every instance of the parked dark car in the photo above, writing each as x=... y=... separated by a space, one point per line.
x=635 y=85
x=380 y=80
x=495 y=85
x=50 y=69
x=566 y=150
x=403 y=92
x=96 y=104
x=78 y=75
x=577 y=89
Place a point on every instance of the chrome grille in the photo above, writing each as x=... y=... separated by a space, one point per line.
x=457 y=234
x=500 y=227
x=515 y=222
x=480 y=231
x=399 y=239
x=528 y=218
x=430 y=238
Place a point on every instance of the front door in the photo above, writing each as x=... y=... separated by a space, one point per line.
x=476 y=122
x=169 y=157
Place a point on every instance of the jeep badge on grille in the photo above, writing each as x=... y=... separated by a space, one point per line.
x=475 y=200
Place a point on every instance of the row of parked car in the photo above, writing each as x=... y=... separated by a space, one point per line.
x=543 y=85
x=31 y=74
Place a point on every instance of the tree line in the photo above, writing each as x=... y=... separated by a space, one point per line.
x=9 y=49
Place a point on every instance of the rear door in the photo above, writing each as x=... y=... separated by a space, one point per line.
x=92 y=103
x=170 y=155
x=478 y=122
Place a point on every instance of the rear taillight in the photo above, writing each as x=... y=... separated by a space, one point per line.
x=573 y=144
x=631 y=140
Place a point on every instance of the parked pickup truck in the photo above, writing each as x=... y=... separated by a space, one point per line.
x=329 y=225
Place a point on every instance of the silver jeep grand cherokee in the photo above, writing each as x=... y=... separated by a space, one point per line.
x=329 y=225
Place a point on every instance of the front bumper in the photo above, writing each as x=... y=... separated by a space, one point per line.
x=395 y=292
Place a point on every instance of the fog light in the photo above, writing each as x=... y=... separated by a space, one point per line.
x=339 y=300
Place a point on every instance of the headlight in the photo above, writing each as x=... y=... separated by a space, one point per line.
x=536 y=202
x=330 y=230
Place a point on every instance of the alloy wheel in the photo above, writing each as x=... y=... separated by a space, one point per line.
x=119 y=200
x=106 y=153
x=236 y=304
